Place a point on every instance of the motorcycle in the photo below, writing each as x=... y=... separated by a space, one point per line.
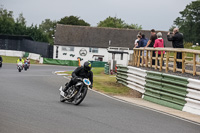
x=76 y=93
x=26 y=66
x=0 y=64
x=19 y=66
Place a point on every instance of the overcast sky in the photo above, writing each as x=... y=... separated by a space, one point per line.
x=157 y=14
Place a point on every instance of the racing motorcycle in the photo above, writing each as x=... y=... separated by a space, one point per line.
x=25 y=66
x=76 y=93
x=19 y=66
x=0 y=64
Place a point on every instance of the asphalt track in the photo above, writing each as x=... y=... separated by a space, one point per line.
x=29 y=103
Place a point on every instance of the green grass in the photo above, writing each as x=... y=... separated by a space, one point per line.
x=9 y=59
x=95 y=70
x=106 y=83
x=195 y=48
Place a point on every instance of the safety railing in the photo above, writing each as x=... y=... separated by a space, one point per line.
x=144 y=57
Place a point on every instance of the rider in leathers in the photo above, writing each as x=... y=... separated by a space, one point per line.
x=81 y=72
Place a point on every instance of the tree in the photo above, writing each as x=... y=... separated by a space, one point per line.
x=115 y=22
x=36 y=33
x=112 y=22
x=133 y=26
x=48 y=27
x=172 y=28
x=73 y=20
x=189 y=22
x=7 y=22
x=20 y=25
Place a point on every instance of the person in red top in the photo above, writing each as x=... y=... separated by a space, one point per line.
x=159 y=43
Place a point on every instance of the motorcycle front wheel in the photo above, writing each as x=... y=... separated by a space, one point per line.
x=62 y=99
x=80 y=96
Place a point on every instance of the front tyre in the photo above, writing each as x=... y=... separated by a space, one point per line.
x=80 y=97
x=19 y=70
x=62 y=99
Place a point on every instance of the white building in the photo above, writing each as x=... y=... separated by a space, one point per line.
x=91 y=54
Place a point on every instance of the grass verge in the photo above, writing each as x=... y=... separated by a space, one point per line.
x=9 y=59
x=107 y=84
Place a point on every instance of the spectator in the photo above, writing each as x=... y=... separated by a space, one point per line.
x=137 y=40
x=177 y=42
x=79 y=62
x=142 y=43
x=159 y=43
x=151 y=43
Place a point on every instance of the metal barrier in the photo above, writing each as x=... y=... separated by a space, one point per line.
x=106 y=69
x=164 y=89
x=189 y=56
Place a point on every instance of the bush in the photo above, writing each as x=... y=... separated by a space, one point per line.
x=188 y=44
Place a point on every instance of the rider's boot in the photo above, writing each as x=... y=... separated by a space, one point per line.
x=66 y=88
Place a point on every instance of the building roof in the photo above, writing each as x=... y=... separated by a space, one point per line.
x=85 y=36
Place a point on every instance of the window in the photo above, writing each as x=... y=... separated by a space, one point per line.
x=57 y=52
x=67 y=48
x=93 y=50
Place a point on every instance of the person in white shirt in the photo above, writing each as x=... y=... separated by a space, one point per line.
x=137 y=40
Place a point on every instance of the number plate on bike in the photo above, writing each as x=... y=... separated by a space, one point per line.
x=86 y=81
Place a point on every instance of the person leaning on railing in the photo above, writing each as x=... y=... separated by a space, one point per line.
x=142 y=43
x=151 y=43
x=137 y=40
x=159 y=43
x=177 y=42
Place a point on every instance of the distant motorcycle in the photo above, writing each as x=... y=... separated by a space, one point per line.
x=0 y=64
x=75 y=93
x=26 y=66
x=19 y=66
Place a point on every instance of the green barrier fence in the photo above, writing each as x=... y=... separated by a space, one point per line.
x=60 y=62
x=106 y=69
x=26 y=54
x=175 y=79
x=164 y=103
x=165 y=89
x=154 y=75
x=98 y=63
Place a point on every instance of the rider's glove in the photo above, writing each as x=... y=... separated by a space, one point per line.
x=90 y=86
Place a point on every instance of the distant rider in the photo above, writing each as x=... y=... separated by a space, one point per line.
x=28 y=62
x=20 y=60
x=81 y=72
x=1 y=60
